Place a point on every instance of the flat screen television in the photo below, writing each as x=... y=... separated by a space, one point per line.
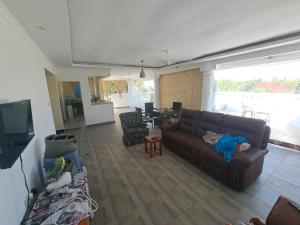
x=16 y=131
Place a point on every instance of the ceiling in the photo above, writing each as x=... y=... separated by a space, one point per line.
x=118 y=32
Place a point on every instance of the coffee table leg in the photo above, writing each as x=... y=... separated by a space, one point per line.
x=145 y=146
x=160 y=147
x=154 y=146
x=151 y=151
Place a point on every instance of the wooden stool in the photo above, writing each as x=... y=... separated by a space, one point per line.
x=153 y=140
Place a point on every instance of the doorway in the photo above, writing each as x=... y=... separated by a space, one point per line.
x=54 y=100
x=71 y=100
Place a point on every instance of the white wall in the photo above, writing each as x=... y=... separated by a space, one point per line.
x=55 y=101
x=121 y=101
x=22 y=76
x=93 y=114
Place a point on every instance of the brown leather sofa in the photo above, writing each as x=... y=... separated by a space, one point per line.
x=185 y=139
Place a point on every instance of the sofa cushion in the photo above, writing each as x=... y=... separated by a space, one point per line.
x=186 y=126
x=199 y=132
x=173 y=139
x=192 y=143
x=173 y=135
x=252 y=129
x=168 y=126
x=266 y=137
x=214 y=164
x=211 y=121
x=188 y=120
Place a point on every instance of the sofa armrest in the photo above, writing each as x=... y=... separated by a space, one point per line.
x=247 y=158
x=170 y=126
x=266 y=137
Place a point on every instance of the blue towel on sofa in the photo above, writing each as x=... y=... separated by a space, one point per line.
x=227 y=146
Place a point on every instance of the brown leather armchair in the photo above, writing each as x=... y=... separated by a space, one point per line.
x=282 y=213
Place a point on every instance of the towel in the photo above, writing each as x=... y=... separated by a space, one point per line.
x=227 y=146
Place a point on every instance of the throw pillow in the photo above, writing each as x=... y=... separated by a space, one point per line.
x=243 y=147
x=212 y=137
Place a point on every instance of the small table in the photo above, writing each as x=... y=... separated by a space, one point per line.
x=150 y=120
x=153 y=140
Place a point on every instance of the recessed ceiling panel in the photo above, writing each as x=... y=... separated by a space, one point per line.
x=124 y=32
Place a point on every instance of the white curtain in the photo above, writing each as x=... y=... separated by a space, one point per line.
x=156 y=92
x=208 y=91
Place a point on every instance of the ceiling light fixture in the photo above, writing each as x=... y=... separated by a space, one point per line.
x=142 y=73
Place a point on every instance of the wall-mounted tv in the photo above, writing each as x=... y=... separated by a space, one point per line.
x=16 y=131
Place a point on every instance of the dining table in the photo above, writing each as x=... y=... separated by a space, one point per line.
x=164 y=112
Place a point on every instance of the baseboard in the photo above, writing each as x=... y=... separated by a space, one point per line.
x=123 y=107
x=285 y=144
x=98 y=124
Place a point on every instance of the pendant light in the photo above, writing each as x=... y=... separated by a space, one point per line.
x=142 y=73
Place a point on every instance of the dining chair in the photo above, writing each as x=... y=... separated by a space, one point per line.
x=149 y=107
x=145 y=118
x=177 y=106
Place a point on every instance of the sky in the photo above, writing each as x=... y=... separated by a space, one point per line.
x=284 y=70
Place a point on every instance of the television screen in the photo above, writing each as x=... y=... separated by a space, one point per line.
x=16 y=131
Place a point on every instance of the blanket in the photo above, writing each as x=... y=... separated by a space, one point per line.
x=227 y=145
x=212 y=137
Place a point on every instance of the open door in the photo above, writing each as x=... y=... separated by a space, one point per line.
x=54 y=100
x=71 y=93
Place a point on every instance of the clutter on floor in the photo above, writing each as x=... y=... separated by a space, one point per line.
x=65 y=197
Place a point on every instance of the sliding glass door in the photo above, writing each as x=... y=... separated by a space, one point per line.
x=269 y=92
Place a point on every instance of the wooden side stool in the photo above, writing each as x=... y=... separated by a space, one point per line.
x=153 y=140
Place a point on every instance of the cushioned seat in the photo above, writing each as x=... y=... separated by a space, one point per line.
x=171 y=139
x=214 y=164
x=187 y=144
x=191 y=147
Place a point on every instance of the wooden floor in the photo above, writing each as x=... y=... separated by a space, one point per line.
x=134 y=189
